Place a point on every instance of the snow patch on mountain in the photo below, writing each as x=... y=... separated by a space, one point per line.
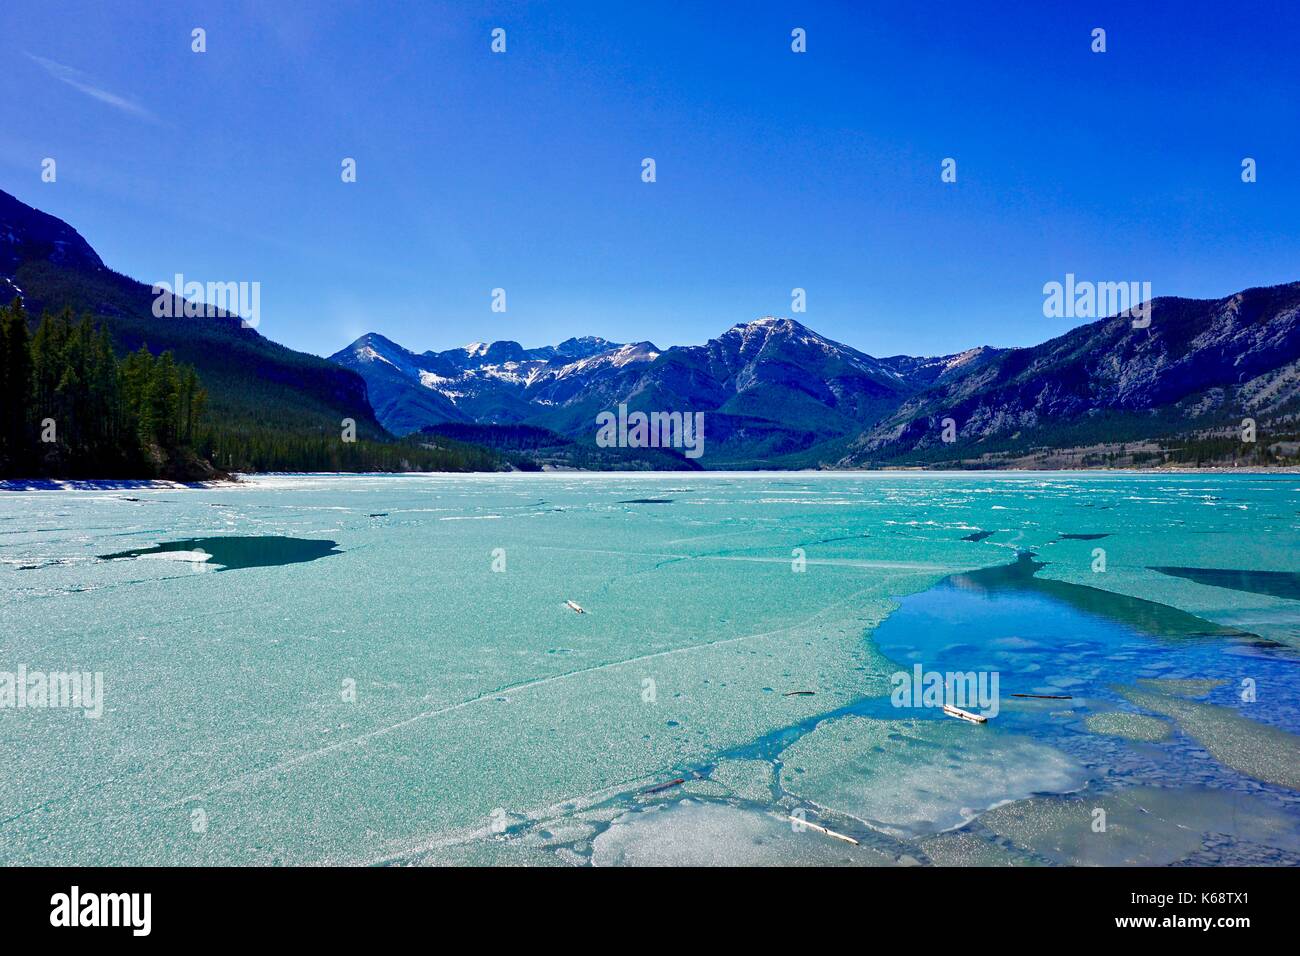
x=367 y=354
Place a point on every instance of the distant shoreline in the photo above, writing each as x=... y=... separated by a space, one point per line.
x=159 y=484
x=108 y=484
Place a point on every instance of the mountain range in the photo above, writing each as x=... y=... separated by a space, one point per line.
x=777 y=394
x=774 y=392
x=771 y=388
x=1199 y=370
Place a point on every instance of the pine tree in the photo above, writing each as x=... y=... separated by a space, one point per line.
x=15 y=387
x=110 y=417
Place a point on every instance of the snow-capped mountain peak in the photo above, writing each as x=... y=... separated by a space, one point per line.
x=772 y=376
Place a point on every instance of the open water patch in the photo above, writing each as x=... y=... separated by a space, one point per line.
x=236 y=552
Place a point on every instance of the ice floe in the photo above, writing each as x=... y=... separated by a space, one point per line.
x=1255 y=749
x=913 y=777
x=1117 y=723
x=690 y=833
x=1138 y=826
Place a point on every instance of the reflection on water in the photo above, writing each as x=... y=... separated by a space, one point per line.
x=235 y=552
x=1148 y=617
x=1049 y=637
x=1283 y=584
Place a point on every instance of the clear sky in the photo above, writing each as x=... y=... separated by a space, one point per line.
x=522 y=170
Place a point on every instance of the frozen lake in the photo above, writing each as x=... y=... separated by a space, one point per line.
x=383 y=669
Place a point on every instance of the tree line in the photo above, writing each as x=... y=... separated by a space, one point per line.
x=69 y=407
x=258 y=448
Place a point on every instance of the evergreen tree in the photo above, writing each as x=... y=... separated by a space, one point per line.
x=109 y=417
x=15 y=386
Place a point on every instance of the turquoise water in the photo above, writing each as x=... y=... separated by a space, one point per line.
x=383 y=669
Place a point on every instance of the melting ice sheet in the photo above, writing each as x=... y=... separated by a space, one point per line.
x=918 y=777
x=689 y=833
x=406 y=701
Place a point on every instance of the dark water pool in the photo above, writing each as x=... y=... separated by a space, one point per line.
x=238 y=552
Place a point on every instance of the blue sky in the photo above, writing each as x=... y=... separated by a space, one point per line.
x=774 y=169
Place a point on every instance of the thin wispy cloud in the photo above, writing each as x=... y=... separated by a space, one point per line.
x=86 y=84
